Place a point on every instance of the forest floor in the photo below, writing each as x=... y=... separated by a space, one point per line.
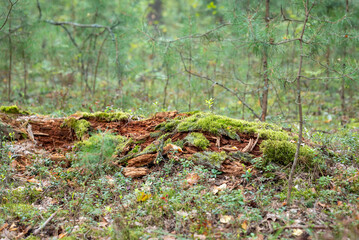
x=118 y=176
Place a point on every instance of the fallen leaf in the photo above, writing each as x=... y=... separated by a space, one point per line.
x=169 y=238
x=244 y=225
x=226 y=218
x=220 y=188
x=171 y=147
x=4 y=226
x=192 y=178
x=199 y=236
x=62 y=235
x=297 y=232
x=142 y=197
x=13 y=227
x=33 y=180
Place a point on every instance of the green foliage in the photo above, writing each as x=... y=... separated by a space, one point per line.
x=282 y=152
x=80 y=126
x=197 y=140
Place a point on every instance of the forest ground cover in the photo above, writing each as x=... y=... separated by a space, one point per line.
x=172 y=175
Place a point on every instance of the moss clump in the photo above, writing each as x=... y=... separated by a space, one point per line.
x=79 y=126
x=13 y=110
x=96 y=152
x=220 y=125
x=282 y=152
x=25 y=212
x=198 y=140
x=209 y=159
x=107 y=116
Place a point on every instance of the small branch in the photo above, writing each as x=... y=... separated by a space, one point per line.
x=221 y=85
x=189 y=36
x=306 y=226
x=288 y=19
x=12 y=4
x=39 y=8
x=37 y=231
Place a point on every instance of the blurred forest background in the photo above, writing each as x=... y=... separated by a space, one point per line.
x=239 y=58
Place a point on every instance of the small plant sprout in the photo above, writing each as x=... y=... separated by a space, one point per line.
x=209 y=103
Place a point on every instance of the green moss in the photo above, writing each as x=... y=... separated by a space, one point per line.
x=13 y=110
x=198 y=140
x=25 y=212
x=24 y=195
x=122 y=145
x=79 y=126
x=106 y=116
x=209 y=159
x=220 y=125
x=96 y=152
x=282 y=152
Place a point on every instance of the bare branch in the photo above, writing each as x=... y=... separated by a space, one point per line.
x=12 y=4
x=221 y=85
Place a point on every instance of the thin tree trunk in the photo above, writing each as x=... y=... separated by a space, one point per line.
x=327 y=57
x=265 y=71
x=10 y=61
x=96 y=67
x=299 y=102
x=190 y=67
x=166 y=85
x=342 y=90
x=25 y=73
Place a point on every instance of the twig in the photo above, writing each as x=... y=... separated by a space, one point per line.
x=37 y=231
x=12 y=4
x=306 y=226
x=221 y=85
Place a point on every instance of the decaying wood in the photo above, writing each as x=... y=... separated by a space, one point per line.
x=141 y=160
x=134 y=172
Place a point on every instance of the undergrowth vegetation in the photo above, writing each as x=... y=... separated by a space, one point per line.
x=184 y=197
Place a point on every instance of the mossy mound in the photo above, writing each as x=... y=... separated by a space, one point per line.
x=282 y=152
x=198 y=140
x=221 y=125
x=277 y=146
x=107 y=116
x=13 y=110
x=79 y=126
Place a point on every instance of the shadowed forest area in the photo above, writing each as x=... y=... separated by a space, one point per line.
x=187 y=119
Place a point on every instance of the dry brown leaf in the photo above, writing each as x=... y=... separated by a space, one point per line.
x=4 y=226
x=220 y=188
x=169 y=238
x=199 y=236
x=13 y=227
x=62 y=235
x=244 y=225
x=297 y=232
x=192 y=178
x=229 y=148
x=171 y=147
x=226 y=219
